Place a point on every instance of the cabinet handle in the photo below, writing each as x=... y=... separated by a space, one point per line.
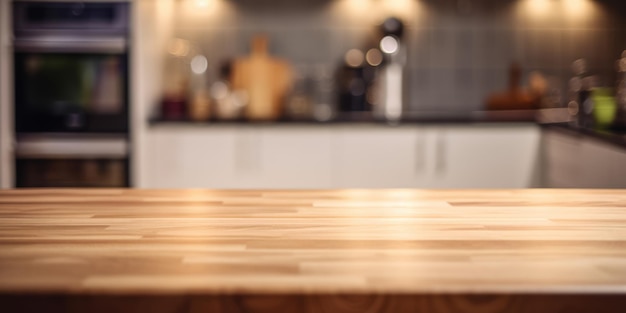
x=242 y=152
x=440 y=161
x=247 y=152
x=419 y=154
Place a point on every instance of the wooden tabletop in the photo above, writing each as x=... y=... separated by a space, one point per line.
x=313 y=251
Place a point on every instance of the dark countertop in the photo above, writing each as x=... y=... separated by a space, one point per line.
x=553 y=119
x=612 y=136
x=426 y=117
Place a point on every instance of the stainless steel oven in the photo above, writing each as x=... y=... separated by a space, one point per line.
x=71 y=94
x=71 y=67
x=58 y=160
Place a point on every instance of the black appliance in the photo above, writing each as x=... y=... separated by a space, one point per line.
x=68 y=160
x=71 y=93
x=71 y=67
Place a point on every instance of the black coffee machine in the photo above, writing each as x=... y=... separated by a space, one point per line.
x=361 y=85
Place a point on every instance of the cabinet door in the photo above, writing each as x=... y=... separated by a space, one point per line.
x=574 y=161
x=192 y=158
x=378 y=157
x=602 y=165
x=562 y=162
x=618 y=172
x=291 y=157
x=486 y=156
x=240 y=158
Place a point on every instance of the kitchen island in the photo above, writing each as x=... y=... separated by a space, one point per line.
x=526 y=250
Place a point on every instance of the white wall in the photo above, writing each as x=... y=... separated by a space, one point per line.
x=6 y=96
x=152 y=26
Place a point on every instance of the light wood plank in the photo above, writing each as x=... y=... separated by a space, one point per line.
x=394 y=250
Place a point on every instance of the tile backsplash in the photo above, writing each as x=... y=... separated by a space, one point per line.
x=459 y=51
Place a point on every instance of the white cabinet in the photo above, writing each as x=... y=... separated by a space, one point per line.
x=285 y=157
x=603 y=165
x=239 y=157
x=378 y=156
x=562 y=163
x=596 y=161
x=575 y=161
x=343 y=156
x=486 y=156
x=451 y=156
x=191 y=158
x=617 y=176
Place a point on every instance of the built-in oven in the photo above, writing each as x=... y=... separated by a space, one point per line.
x=71 y=67
x=58 y=160
x=71 y=93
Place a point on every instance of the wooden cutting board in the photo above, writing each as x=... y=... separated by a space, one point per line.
x=266 y=80
x=515 y=98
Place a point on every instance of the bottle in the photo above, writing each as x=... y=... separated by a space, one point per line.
x=200 y=105
x=229 y=104
x=174 y=102
x=199 y=100
x=390 y=76
x=620 y=97
x=323 y=90
x=581 y=105
x=176 y=82
x=299 y=102
x=352 y=84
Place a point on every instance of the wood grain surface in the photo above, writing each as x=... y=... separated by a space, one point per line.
x=313 y=251
x=266 y=80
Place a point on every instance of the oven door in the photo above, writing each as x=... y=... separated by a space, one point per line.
x=58 y=161
x=31 y=18
x=71 y=85
x=71 y=173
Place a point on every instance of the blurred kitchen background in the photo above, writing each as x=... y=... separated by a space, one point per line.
x=458 y=51
x=313 y=94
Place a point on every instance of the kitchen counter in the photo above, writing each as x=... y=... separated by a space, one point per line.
x=426 y=117
x=313 y=251
x=555 y=119
x=611 y=136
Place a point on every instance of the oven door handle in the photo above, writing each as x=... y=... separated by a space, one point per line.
x=71 y=44
x=79 y=149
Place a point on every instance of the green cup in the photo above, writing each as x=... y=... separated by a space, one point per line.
x=604 y=108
